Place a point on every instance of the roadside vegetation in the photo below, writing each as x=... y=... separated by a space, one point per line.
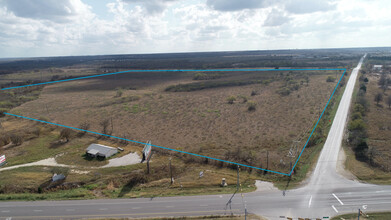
x=365 y=216
x=214 y=217
x=369 y=126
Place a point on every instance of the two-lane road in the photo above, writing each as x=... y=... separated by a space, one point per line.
x=326 y=194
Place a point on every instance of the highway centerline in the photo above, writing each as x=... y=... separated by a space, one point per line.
x=338 y=199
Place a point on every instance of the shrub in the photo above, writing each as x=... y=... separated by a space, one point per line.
x=363 y=102
x=16 y=139
x=363 y=87
x=4 y=139
x=253 y=93
x=231 y=99
x=330 y=79
x=284 y=91
x=343 y=82
x=357 y=124
x=105 y=124
x=366 y=80
x=244 y=98
x=378 y=98
x=361 y=151
x=65 y=133
x=118 y=92
x=251 y=105
x=356 y=115
x=359 y=108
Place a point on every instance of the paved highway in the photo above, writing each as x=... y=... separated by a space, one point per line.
x=326 y=194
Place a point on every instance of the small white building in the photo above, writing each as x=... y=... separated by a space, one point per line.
x=377 y=67
x=98 y=150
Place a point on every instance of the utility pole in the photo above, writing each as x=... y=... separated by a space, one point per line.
x=238 y=182
x=112 y=126
x=358 y=216
x=170 y=172
x=267 y=162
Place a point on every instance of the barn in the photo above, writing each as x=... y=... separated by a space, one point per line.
x=98 y=150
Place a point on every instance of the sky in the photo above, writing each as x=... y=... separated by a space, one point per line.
x=37 y=28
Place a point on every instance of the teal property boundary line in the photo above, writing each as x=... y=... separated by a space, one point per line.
x=182 y=70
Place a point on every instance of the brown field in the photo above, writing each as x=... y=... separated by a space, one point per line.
x=379 y=125
x=198 y=121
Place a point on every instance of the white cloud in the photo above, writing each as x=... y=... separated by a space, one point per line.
x=276 y=18
x=309 y=6
x=152 y=6
x=136 y=26
x=53 y=10
x=235 y=5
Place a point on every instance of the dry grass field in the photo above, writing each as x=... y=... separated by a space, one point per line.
x=379 y=125
x=200 y=121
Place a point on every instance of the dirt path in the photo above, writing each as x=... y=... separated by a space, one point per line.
x=129 y=159
x=263 y=186
x=46 y=162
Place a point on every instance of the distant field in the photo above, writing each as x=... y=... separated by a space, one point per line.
x=200 y=120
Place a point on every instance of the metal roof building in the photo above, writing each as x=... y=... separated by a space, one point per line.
x=98 y=150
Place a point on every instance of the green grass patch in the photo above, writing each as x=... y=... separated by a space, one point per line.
x=370 y=216
x=79 y=193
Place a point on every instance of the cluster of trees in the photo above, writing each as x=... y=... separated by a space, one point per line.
x=208 y=85
x=292 y=83
x=251 y=105
x=205 y=76
x=383 y=83
x=357 y=126
x=14 y=98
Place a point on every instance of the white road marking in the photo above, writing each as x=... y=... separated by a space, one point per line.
x=70 y=210
x=309 y=203
x=36 y=210
x=5 y=211
x=334 y=209
x=103 y=209
x=135 y=207
x=338 y=199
